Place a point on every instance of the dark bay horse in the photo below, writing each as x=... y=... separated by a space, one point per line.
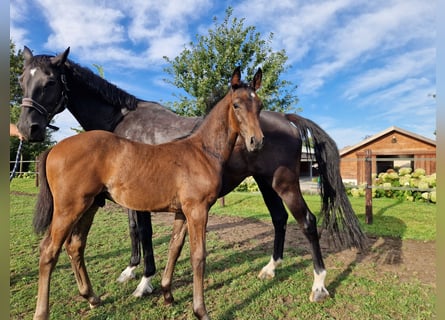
x=52 y=83
x=141 y=177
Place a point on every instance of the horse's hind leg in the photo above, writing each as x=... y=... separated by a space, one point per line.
x=279 y=217
x=286 y=184
x=75 y=248
x=146 y=233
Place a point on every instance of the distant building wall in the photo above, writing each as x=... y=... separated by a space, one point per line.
x=388 y=146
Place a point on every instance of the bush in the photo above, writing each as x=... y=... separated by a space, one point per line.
x=403 y=178
x=248 y=185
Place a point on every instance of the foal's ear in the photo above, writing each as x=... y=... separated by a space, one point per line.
x=27 y=55
x=256 y=83
x=236 y=78
x=61 y=58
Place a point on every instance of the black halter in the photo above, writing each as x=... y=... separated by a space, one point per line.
x=31 y=103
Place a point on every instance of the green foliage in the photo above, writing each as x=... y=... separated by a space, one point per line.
x=204 y=68
x=247 y=185
x=403 y=178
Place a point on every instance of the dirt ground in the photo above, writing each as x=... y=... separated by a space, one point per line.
x=407 y=259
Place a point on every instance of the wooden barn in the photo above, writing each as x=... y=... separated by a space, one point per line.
x=391 y=149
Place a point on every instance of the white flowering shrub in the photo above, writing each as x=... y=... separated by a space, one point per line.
x=404 y=177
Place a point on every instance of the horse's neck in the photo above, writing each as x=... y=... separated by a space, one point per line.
x=216 y=134
x=90 y=110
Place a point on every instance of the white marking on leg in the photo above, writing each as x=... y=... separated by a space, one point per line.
x=319 y=292
x=127 y=274
x=33 y=71
x=144 y=287
x=268 y=271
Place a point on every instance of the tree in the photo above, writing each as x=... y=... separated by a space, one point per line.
x=29 y=150
x=203 y=68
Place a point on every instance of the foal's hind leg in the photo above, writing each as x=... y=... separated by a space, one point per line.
x=279 y=217
x=75 y=247
x=286 y=184
x=50 y=247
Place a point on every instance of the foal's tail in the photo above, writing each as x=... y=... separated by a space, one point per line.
x=338 y=217
x=44 y=207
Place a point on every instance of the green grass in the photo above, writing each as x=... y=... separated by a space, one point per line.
x=392 y=218
x=232 y=289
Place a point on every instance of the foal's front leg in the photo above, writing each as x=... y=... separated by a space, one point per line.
x=197 y=222
x=174 y=250
x=75 y=247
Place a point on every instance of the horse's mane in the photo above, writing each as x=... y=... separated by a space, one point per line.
x=108 y=91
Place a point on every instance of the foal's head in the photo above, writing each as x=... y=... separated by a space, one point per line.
x=247 y=106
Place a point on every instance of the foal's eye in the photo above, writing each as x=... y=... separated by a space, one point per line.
x=236 y=105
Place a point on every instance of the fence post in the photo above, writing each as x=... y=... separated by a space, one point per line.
x=368 y=190
x=37 y=171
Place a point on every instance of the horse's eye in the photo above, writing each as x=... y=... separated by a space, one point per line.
x=50 y=83
x=236 y=105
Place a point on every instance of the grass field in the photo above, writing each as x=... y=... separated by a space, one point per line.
x=232 y=289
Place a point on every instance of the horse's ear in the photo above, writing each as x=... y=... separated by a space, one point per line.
x=27 y=55
x=256 y=83
x=236 y=77
x=61 y=58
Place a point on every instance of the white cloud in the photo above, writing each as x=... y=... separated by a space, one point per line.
x=338 y=36
x=83 y=24
x=396 y=68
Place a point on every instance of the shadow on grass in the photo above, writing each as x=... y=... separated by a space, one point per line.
x=381 y=250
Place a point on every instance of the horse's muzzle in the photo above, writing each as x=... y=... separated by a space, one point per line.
x=255 y=144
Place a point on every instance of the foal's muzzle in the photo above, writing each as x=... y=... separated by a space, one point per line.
x=256 y=143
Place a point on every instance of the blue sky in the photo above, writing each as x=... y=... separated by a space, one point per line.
x=360 y=66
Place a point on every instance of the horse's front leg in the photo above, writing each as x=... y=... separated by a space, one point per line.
x=135 y=258
x=197 y=222
x=75 y=248
x=279 y=217
x=174 y=250
x=145 y=231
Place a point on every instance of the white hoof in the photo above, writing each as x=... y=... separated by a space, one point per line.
x=268 y=271
x=144 y=287
x=319 y=292
x=127 y=274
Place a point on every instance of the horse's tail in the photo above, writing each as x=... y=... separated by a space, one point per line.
x=44 y=207
x=338 y=217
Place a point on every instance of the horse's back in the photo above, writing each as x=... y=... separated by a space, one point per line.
x=79 y=156
x=153 y=123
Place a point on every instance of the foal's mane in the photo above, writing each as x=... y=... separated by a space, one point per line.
x=109 y=92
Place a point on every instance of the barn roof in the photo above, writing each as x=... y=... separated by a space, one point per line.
x=375 y=137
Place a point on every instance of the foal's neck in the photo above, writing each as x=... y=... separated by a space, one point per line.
x=217 y=134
